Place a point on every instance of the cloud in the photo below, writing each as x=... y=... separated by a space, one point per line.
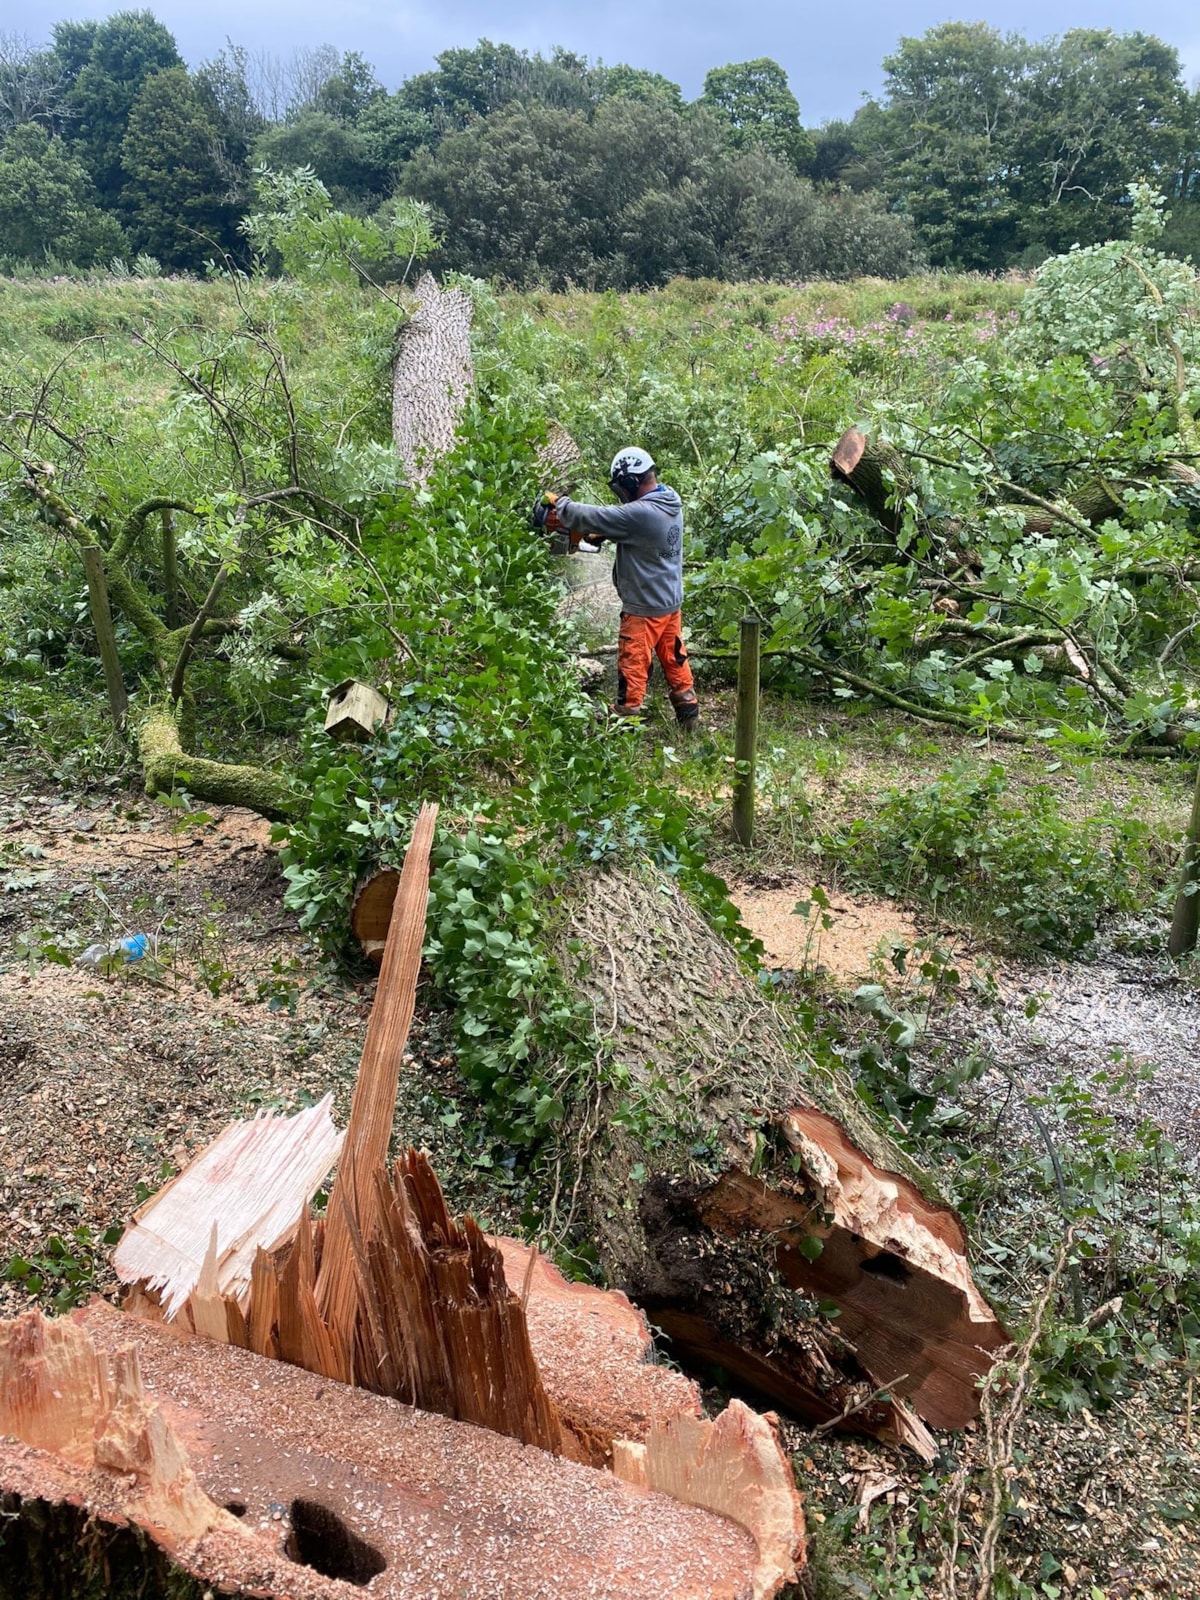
x=830 y=66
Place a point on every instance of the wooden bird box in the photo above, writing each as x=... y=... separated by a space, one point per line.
x=355 y=712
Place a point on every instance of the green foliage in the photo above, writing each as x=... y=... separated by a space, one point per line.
x=520 y=1030
x=754 y=99
x=123 y=52
x=636 y=193
x=1037 y=877
x=175 y=193
x=1123 y=306
x=296 y=223
x=998 y=147
x=63 y=1270
x=48 y=205
x=490 y=721
x=333 y=150
x=985 y=150
x=473 y=82
x=1136 y=1233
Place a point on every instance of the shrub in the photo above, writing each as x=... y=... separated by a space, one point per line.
x=1020 y=866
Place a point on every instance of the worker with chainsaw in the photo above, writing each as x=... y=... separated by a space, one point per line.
x=647 y=529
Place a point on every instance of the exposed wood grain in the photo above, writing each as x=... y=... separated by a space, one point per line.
x=355 y=1193
x=252 y=1182
x=452 y=1335
x=733 y=1465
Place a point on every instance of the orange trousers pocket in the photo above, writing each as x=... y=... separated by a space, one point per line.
x=639 y=641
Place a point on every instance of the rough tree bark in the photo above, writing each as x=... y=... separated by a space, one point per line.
x=432 y=376
x=757 y=1196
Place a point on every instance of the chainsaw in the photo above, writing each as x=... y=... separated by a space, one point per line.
x=544 y=520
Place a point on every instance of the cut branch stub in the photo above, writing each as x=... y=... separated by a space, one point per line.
x=876 y=472
x=371 y=912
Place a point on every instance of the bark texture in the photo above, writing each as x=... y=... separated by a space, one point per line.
x=432 y=376
x=756 y=1192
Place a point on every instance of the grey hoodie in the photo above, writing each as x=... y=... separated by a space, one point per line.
x=648 y=534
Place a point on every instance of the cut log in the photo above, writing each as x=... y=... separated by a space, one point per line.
x=778 y=1234
x=372 y=1490
x=432 y=376
x=418 y=1307
x=371 y=913
x=645 y=1420
x=597 y=1358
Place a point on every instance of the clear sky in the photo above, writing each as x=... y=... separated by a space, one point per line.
x=832 y=53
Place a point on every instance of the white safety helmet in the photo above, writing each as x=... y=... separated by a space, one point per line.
x=629 y=467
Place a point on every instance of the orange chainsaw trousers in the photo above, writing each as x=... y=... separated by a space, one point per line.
x=639 y=641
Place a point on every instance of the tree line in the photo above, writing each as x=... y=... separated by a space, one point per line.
x=983 y=151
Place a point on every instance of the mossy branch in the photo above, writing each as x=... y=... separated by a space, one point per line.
x=166 y=767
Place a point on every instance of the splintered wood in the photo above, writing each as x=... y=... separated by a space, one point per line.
x=247 y=1189
x=391 y=1294
x=387 y=1292
x=448 y=1333
x=354 y=1203
x=58 y=1394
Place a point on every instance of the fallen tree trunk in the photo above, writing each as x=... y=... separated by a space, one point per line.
x=762 y=1221
x=765 y=1224
x=877 y=473
x=432 y=376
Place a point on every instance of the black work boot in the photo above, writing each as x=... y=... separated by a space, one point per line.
x=687 y=708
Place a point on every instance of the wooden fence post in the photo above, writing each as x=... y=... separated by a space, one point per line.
x=746 y=736
x=106 y=638
x=1185 y=920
